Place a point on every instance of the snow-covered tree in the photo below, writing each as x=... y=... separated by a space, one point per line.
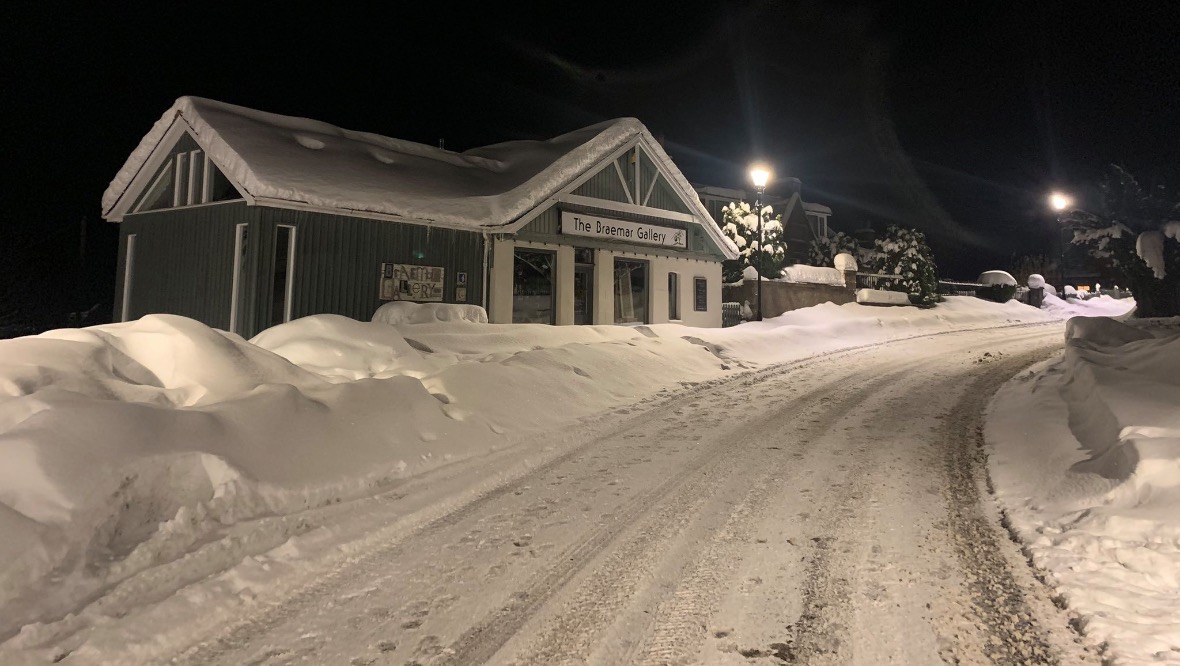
x=1134 y=235
x=824 y=250
x=903 y=252
x=740 y=223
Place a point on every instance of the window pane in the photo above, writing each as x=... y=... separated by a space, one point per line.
x=630 y=291
x=583 y=255
x=282 y=272
x=532 y=287
x=701 y=295
x=673 y=296
x=220 y=188
x=159 y=195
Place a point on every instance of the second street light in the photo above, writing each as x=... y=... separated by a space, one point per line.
x=1060 y=202
x=760 y=175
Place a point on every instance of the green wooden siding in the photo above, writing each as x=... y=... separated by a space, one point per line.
x=605 y=185
x=338 y=260
x=183 y=261
x=662 y=195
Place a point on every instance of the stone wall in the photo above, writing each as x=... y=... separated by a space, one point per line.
x=780 y=297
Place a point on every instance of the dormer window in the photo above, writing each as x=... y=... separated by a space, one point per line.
x=187 y=178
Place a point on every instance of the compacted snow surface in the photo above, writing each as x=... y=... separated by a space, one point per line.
x=133 y=452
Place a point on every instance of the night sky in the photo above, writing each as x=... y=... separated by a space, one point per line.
x=956 y=118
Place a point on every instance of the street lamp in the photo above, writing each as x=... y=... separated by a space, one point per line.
x=1059 y=202
x=760 y=175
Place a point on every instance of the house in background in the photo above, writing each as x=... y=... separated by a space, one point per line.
x=244 y=219
x=802 y=221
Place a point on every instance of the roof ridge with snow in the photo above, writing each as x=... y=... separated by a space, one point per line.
x=318 y=165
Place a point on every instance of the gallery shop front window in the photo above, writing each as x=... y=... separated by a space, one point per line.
x=583 y=286
x=631 y=285
x=533 y=292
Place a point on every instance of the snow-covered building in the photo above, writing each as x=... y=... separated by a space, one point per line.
x=802 y=221
x=244 y=219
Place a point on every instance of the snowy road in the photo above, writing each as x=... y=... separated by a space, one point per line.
x=831 y=511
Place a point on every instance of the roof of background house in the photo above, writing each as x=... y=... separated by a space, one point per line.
x=308 y=162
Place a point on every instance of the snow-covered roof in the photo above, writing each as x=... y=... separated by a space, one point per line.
x=816 y=208
x=280 y=160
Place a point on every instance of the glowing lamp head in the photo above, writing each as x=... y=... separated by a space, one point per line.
x=1059 y=201
x=760 y=175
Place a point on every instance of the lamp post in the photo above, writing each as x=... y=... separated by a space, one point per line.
x=760 y=175
x=1059 y=202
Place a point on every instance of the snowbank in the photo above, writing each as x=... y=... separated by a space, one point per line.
x=881 y=297
x=813 y=275
x=1086 y=461
x=128 y=446
x=402 y=312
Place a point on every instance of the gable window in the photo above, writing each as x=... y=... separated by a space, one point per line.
x=700 y=300
x=186 y=178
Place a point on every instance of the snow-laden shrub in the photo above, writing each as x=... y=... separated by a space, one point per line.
x=1000 y=293
x=904 y=253
x=1036 y=281
x=823 y=251
x=739 y=222
x=997 y=277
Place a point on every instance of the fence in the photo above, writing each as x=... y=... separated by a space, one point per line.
x=954 y=288
x=875 y=280
x=731 y=314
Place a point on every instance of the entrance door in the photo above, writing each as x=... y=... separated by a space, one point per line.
x=583 y=295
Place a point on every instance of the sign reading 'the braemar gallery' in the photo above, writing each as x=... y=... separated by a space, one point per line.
x=631 y=232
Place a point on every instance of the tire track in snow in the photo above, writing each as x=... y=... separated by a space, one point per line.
x=668 y=509
x=1013 y=632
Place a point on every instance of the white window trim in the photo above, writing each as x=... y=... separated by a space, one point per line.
x=290 y=288
x=128 y=275
x=234 y=304
x=191 y=190
x=207 y=179
x=177 y=175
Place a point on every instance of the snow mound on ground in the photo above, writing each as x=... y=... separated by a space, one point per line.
x=396 y=313
x=1097 y=500
x=988 y=278
x=1102 y=331
x=342 y=349
x=1101 y=306
x=813 y=275
x=881 y=297
x=159 y=359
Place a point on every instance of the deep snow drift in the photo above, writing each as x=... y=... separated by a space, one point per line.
x=1086 y=461
x=129 y=445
